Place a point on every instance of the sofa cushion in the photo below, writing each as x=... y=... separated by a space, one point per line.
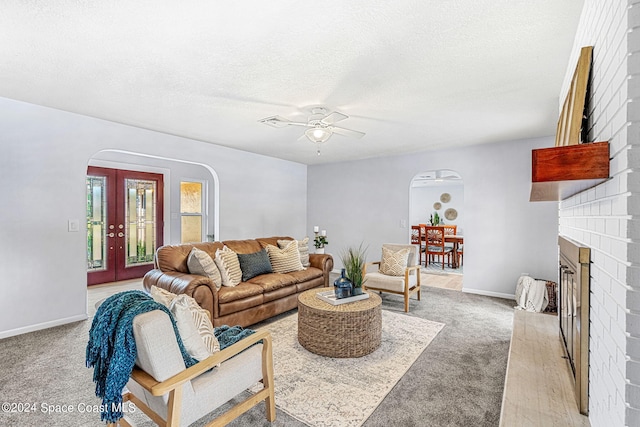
x=243 y=290
x=273 y=281
x=305 y=275
x=254 y=264
x=286 y=259
x=248 y=246
x=229 y=266
x=303 y=248
x=199 y=262
x=394 y=263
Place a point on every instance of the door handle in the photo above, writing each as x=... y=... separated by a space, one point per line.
x=111 y=235
x=121 y=234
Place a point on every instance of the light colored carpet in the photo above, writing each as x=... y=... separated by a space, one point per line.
x=323 y=391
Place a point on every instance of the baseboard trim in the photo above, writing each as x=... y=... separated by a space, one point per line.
x=489 y=293
x=40 y=326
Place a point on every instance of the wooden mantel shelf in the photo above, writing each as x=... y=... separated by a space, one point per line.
x=560 y=172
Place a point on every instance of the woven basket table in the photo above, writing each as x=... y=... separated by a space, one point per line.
x=348 y=330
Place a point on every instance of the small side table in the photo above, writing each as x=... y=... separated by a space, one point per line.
x=346 y=330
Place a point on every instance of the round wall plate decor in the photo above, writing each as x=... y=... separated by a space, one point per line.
x=437 y=206
x=451 y=214
x=445 y=197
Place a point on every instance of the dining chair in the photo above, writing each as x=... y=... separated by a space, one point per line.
x=417 y=238
x=436 y=245
x=450 y=230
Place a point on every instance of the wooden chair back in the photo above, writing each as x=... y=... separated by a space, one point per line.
x=416 y=235
x=450 y=230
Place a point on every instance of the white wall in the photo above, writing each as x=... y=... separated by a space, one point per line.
x=43 y=165
x=605 y=218
x=504 y=233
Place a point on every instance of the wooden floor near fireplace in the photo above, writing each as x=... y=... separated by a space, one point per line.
x=538 y=389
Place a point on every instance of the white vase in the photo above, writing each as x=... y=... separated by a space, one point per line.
x=319 y=250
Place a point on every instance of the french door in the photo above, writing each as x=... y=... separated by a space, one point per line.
x=124 y=223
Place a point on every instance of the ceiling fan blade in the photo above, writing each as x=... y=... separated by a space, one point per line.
x=280 y=122
x=347 y=132
x=334 y=117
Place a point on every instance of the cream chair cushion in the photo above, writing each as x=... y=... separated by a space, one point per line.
x=382 y=281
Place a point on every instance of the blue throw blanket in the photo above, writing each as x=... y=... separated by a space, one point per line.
x=111 y=349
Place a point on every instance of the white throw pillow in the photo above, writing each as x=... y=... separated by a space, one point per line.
x=285 y=260
x=229 y=266
x=195 y=327
x=394 y=263
x=303 y=249
x=199 y=262
x=193 y=322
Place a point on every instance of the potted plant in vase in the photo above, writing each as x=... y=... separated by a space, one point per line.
x=320 y=240
x=353 y=259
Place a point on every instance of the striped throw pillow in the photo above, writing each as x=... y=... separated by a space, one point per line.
x=286 y=259
x=394 y=263
x=229 y=266
x=303 y=248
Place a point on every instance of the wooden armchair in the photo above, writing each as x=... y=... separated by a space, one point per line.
x=172 y=395
x=405 y=284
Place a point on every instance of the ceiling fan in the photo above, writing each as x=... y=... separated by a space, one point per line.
x=320 y=125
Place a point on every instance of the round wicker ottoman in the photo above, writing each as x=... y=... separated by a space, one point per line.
x=347 y=330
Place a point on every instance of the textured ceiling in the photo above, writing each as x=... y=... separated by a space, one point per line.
x=412 y=75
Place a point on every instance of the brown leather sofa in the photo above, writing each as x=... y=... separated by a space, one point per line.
x=249 y=302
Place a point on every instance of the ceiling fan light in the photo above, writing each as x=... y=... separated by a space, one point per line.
x=318 y=134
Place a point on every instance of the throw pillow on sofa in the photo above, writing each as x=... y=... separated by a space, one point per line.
x=285 y=260
x=303 y=248
x=254 y=264
x=394 y=263
x=229 y=266
x=199 y=262
x=194 y=326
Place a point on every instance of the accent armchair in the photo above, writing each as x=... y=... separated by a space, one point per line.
x=402 y=278
x=172 y=395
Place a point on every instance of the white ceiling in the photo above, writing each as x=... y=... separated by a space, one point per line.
x=412 y=75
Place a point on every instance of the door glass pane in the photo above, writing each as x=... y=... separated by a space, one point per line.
x=96 y=228
x=140 y=222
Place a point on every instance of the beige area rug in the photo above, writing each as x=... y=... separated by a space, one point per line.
x=323 y=391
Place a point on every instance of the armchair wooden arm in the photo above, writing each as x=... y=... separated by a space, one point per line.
x=364 y=269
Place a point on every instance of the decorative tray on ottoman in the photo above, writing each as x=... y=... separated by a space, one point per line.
x=330 y=297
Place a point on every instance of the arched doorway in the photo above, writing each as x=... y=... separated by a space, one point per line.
x=437 y=196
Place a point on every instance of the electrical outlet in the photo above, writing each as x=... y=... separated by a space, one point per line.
x=403 y=223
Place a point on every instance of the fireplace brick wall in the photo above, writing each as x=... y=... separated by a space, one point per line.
x=607 y=217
